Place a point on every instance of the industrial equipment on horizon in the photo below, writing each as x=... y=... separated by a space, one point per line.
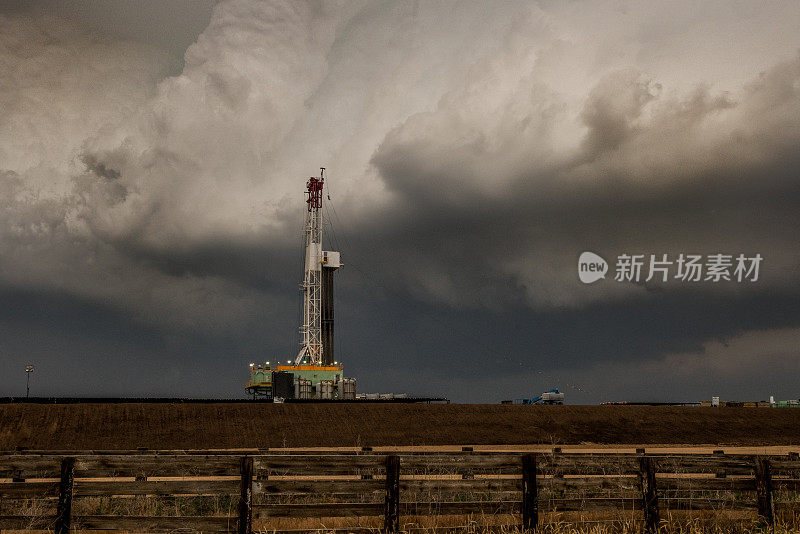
x=554 y=396
x=313 y=374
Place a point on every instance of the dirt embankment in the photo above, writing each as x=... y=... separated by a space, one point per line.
x=250 y=425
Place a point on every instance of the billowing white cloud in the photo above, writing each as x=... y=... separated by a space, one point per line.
x=509 y=137
x=61 y=92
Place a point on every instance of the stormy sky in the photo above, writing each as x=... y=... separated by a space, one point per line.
x=153 y=157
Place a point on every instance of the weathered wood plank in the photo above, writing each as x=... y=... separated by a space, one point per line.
x=96 y=488
x=135 y=523
x=38 y=466
x=460 y=463
x=28 y=490
x=149 y=465
x=589 y=483
x=156 y=523
x=19 y=466
x=356 y=486
x=559 y=464
x=460 y=485
x=710 y=463
x=598 y=464
x=156 y=466
x=196 y=452
x=380 y=453
x=273 y=486
x=263 y=511
x=611 y=482
x=328 y=464
x=706 y=484
x=784 y=466
x=99 y=488
x=630 y=462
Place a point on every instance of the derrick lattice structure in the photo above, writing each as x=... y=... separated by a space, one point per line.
x=311 y=330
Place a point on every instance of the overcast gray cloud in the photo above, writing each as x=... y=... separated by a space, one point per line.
x=474 y=151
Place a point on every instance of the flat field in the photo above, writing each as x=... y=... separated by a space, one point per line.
x=260 y=425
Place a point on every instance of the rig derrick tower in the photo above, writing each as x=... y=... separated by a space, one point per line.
x=317 y=261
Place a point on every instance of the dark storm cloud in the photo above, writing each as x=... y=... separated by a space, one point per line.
x=702 y=174
x=523 y=351
x=472 y=155
x=75 y=342
x=99 y=168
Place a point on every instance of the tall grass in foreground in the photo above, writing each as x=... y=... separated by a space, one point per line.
x=556 y=523
x=469 y=525
x=723 y=522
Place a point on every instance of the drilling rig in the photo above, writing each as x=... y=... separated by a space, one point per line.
x=314 y=373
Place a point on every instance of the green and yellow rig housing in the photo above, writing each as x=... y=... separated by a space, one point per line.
x=307 y=381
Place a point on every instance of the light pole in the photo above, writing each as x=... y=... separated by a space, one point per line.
x=28 y=370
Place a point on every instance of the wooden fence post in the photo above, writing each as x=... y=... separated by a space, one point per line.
x=245 y=525
x=391 y=510
x=766 y=506
x=647 y=475
x=530 y=498
x=64 y=509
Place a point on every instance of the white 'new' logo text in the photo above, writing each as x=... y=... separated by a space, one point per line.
x=591 y=267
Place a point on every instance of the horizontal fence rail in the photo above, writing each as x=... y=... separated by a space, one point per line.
x=266 y=485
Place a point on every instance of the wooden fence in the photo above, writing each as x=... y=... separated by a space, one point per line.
x=283 y=484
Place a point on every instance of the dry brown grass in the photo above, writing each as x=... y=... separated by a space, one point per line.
x=210 y=506
x=258 y=425
x=596 y=522
x=560 y=523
